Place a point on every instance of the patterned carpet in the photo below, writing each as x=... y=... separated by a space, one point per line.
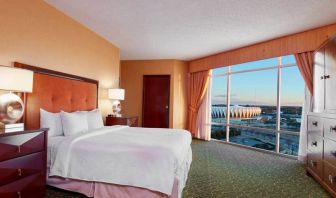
x=222 y=170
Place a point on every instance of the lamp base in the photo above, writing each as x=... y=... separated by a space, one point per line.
x=11 y=108
x=116 y=108
x=6 y=128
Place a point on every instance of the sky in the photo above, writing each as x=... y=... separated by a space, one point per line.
x=260 y=87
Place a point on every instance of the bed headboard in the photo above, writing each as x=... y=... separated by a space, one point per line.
x=55 y=91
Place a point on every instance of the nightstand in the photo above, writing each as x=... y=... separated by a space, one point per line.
x=130 y=121
x=23 y=164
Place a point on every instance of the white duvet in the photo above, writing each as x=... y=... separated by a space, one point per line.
x=141 y=157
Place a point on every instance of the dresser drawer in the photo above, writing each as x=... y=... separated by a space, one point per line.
x=315 y=164
x=29 y=187
x=315 y=125
x=17 y=168
x=330 y=151
x=330 y=176
x=330 y=128
x=22 y=144
x=315 y=144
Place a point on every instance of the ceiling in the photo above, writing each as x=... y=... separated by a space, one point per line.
x=190 y=29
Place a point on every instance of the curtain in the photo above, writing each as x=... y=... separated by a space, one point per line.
x=203 y=121
x=302 y=155
x=305 y=64
x=198 y=85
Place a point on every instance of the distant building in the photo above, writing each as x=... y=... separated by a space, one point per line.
x=235 y=112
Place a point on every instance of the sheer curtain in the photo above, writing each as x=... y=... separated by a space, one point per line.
x=203 y=121
x=305 y=63
x=302 y=155
x=198 y=86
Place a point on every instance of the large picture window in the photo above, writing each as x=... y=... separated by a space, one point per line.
x=258 y=104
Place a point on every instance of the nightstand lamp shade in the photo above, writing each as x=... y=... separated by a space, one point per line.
x=116 y=95
x=13 y=80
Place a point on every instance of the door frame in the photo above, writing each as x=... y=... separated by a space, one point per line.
x=143 y=95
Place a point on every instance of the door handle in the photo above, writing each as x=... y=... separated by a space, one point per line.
x=333 y=153
x=332 y=179
x=325 y=77
x=333 y=129
x=315 y=123
x=167 y=107
x=314 y=143
x=313 y=163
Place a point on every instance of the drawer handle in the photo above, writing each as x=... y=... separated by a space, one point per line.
x=314 y=143
x=333 y=129
x=315 y=123
x=326 y=76
x=333 y=153
x=312 y=163
x=19 y=149
x=19 y=194
x=19 y=172
x=332 y=179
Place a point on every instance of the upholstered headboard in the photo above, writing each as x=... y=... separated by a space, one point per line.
x=55 y=91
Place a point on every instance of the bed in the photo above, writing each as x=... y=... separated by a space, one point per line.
x=115 y=161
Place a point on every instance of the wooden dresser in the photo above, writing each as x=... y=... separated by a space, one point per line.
x=321 y=133
x=130 y=121
x=23 y=159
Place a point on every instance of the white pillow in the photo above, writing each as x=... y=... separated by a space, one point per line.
x=51 y=121
x=74 y=123
x=94 y=119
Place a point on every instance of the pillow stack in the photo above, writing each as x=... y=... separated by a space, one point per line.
x=69 y=124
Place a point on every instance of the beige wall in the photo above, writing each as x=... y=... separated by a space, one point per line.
x=131 y=76
x=35 y=33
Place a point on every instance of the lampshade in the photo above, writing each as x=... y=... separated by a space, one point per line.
x=116 y=94
x=14 y=79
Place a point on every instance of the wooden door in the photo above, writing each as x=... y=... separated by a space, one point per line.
x=319 y=81
x=155 y=104
x=330 y=76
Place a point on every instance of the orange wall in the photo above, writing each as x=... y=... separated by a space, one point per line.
x=180 y=95
x=296 y=43
x=35 y=33
x=131 y=77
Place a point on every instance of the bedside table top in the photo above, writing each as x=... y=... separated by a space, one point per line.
x=123 y=117
x=23 y=132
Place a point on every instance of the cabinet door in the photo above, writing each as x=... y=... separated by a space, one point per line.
x=330 y=73
x=319 y=81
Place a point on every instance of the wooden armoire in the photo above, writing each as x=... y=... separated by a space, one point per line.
x=321 y=133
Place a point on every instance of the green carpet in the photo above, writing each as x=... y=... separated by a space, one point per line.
x=222 y=170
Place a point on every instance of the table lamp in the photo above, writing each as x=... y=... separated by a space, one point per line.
x=11 y=106
x=116 y=95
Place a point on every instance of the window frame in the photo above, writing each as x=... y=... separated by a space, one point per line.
x=277 y=131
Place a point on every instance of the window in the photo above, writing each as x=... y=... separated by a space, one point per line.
x=258 y=104
x=218 y=96
x=253 y=90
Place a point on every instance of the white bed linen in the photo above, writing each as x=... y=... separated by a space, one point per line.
x=53 y=143
x=141 y=157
